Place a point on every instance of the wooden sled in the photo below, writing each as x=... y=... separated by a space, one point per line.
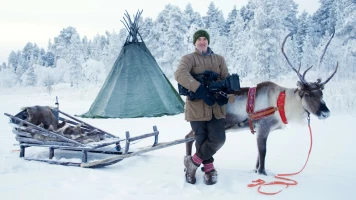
x=26 y=131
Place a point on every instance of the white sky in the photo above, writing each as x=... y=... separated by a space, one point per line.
x=37 y=21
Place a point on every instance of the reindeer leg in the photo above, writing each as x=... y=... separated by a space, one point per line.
x=262 y=150
x=257 y=163
x=189 y=145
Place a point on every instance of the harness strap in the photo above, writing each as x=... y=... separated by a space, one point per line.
x=250 y=107
x=280 y=105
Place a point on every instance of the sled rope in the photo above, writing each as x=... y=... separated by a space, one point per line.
x=260 y=182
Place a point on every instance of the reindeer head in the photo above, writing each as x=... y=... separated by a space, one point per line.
x=311 y=92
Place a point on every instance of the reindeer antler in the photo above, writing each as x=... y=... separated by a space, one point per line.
x=306 y=72
x=327 y=45
x=301 y=78
x=327 y=80
x=322 y=56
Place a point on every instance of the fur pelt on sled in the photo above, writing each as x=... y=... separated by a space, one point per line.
x=43 y=116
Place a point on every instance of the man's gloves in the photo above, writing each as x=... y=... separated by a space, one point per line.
x=222 y=100
x=203 y=93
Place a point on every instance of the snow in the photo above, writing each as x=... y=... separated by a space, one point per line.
x=329 y=174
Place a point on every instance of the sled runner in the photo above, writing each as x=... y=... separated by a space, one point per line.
x=54 y=129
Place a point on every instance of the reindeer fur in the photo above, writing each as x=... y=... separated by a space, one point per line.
x=43 y=116
x=296 y=109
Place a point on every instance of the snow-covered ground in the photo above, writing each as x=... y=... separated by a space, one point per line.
x=330 y=173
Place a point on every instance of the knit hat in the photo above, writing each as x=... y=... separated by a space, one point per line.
x=201 y=33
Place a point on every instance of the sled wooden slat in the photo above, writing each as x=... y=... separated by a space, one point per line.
x=55 y=162
x=113 y=160
x=85 y=123
x=34 y=141
x=28 y=131
x=21 y=133
x=44 y=130
x=30 y=135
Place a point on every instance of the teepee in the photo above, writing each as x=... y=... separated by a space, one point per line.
x=135 y=86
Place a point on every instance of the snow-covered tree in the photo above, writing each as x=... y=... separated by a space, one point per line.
x=112 y=48
x=214 y=20
x=289 y=13
x=301 y=34
x=97 y=46
x=238 y=56
x=268 y=33
x=195 y=22
x=75 y=59
x=248 y=12
x=3 y=66
x=61 y=44
x=48 y=59
x=346 y=29
x=323 y=20
x=8 y=77
x=145 y=28
x=13 y=60
x=171 y=26
x=193 y=18
x=230 y=20
x=29 y=77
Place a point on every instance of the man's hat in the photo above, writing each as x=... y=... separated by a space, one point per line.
x=201 y=33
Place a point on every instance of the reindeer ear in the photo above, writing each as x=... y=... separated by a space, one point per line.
x=321 y=87
x=300 y=85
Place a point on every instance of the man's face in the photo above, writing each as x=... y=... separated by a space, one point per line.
x=202 y=44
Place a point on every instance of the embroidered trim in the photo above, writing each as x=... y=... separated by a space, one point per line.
x=250 y=106
x=280 y=106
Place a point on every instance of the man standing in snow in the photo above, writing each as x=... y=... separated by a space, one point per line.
x=206 y=113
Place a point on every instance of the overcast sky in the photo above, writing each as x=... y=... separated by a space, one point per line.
x=37 y=21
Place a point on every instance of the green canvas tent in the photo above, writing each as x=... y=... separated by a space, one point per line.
x=135 y=86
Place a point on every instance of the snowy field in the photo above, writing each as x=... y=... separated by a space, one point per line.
x=330 y=173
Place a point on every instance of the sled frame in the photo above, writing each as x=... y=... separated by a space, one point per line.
x=23 y=129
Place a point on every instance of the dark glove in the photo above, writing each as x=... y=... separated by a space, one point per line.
x=203 y=93
x=222 y=100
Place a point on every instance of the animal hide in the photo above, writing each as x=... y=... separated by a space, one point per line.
x=43 y=117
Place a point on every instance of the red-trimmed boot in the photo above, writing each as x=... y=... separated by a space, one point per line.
x=211 y=175
x=190 y=170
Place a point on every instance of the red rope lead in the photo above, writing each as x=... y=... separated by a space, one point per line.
x=260 y=182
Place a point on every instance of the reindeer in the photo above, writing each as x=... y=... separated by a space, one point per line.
x=298 y=104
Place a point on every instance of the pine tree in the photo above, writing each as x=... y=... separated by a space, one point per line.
x=145 y=28
x=13 y=60
x=195 y=22
x=247 y=13
x=230 y=20
x=238 y=57
x=268 y=33
x=301 y=34
x=214 y=20
x=29 y=77
x=193 y=18
x=323 y=20
x=171 y=26
x=346 y=29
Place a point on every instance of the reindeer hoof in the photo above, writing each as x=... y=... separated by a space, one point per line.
x=262 y=172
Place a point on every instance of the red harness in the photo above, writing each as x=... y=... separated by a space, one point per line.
x=250 y=107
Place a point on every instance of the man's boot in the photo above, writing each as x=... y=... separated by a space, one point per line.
x=190 y=170
x=211 y=177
